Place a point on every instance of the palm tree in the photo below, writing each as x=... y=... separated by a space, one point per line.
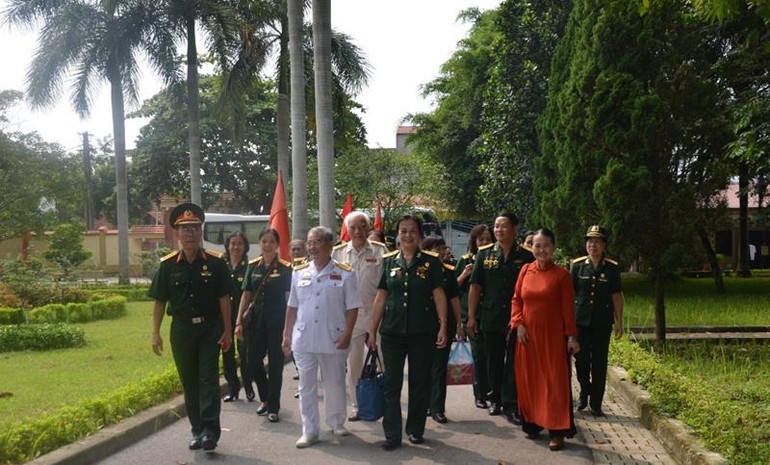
x=322 y=71
x=218 y=20
x=96 y=41
x=299 y=220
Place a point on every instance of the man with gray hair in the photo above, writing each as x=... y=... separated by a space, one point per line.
x=365 y=256
x=320 y=316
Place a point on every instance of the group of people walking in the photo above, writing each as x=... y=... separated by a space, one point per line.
x=524 y=315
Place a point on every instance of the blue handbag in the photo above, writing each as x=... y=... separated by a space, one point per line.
x=369 y=390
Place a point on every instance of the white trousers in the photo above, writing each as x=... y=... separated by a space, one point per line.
x=333 y=378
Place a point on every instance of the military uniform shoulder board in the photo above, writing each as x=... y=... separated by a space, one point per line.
x=298 y=260
x=255 y=261
x=344 y=266
x=609 y=260
x=485 y=247
x=390 y=254
x=284 y=262
x=431 y=253
x=169 y=256
x=527 y=248
x=448 y=266
x=580 y=259
x=214 y=253
x=377 y=243
x=340 y=245
x=466 y=256
x=301 y=266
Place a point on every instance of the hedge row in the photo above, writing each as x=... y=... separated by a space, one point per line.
x=99 y=308
x=33 y=437
x=40 y=337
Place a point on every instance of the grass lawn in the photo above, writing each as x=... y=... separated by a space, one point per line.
x=117 y=352
x=694 y=302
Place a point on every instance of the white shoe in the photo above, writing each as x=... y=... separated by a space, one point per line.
x=306 y=440
x=340 y=431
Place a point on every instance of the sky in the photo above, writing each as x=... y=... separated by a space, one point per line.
x=404 y=41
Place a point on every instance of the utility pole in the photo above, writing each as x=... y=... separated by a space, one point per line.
x=89 y=182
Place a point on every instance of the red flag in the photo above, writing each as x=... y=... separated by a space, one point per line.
x=279 y=218
x=378 y=217
x=344 y=236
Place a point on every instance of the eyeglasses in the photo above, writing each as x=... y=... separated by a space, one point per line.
x=190 y=228
x=315 y=243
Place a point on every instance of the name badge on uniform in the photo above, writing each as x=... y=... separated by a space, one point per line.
x=371 y=259
x=335 y=277
x=206 y=273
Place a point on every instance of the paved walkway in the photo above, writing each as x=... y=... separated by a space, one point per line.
x=471 y=437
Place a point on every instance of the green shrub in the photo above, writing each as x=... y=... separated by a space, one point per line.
x=108 y=308
x=11 y=316
x=30 y=438
x=79 y=313
x=40 y=337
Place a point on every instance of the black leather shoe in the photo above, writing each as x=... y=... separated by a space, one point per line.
x=597 y=412
x=250 y=396
x=414 y=439
x=391 y=444
x=208 y=443
x=481 y=404
x=439 y=418
x=583 y=402
x=513 y=418
x=230 y=398
x=195 y=444
x=494 y=409
x=262 y=410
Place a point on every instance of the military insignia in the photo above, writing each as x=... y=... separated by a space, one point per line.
x=206 y=274
x=275 y=274
x=306 y=275
x=335 y=277
x=371 y=259
x=205 y=267
x=240 y=279
x=421 y=271
x=602 y=275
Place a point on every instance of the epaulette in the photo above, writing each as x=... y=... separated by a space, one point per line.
x=580 y=259
x=284 y=262
x=466 y=256
x=298 y=260
x=448 y=266
x=169 y=255
x=609 y=260
x=527 y=248
x=340 y=245
x=430 y=252
x=214 y=253
x=390 y=254
x=255 y=261
x=301 y=266
x=344 y=266
x=485 y=247
x=377 y=243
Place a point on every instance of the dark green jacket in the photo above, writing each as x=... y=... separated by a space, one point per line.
x=269 y=309
x=593 y=291
x=497 y=278
x=237 y=275
x=191 y=289
x=409 y=308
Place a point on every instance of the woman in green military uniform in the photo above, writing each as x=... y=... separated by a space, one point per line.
x=437 y=245
x=598 y=304
x=479 y=237
x=265 y=292
x=237 y=258
x=410 y=312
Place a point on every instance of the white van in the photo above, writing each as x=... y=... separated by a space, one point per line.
x=218 y=226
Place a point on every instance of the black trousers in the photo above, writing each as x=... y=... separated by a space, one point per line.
x=498 y=374
x=266 y=341
x=591 y=363
x=480 y=376
x=438 y=374
x=230 y=368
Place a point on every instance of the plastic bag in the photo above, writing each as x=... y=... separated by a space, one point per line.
x=460 y=365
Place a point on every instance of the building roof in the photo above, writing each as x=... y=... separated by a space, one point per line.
x=731 y=196
x=406 y=130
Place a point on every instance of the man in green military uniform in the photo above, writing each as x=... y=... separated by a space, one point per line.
x=193 y=286
x=598 y=304
x=492 y=282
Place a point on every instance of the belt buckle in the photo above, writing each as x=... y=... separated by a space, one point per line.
x=197 y=320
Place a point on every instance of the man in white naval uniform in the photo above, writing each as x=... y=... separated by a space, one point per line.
x=365 y=257
x=320 y=316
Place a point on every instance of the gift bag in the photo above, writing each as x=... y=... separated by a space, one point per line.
x=369 y=390
x=459 y=368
